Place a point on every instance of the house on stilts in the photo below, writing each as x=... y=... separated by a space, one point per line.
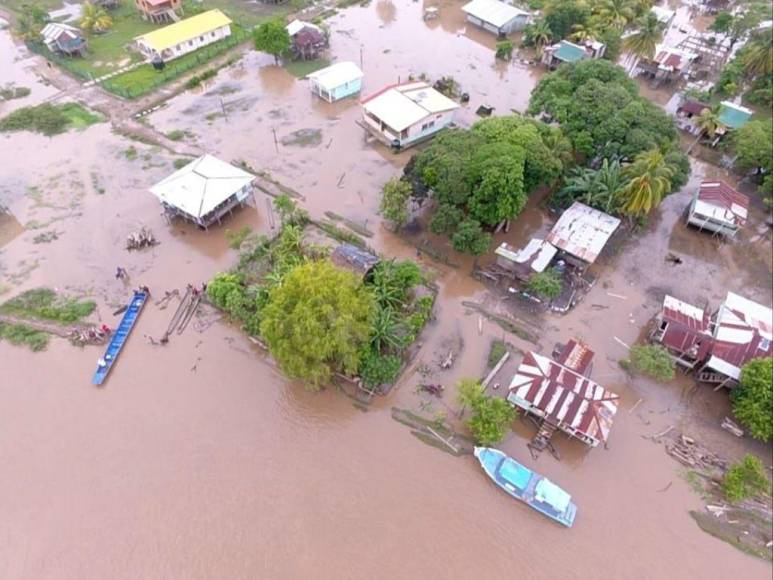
x=718 y=208
x=204 y=191
x=715 y=346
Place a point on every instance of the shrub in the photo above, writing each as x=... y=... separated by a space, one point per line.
x=21 y=334
x=745 y=478
x=497 y=351
x=394 y=201
x=377 y=370
x=45 y=304
x=753 y=399
x=470 y=238
x=652 y=360
x=547 y=284
x=236 y=238
x=504 y=50
x=47 y=119
x=491 y=416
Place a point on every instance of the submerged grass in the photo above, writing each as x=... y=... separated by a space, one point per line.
x=45 y=304
x=301 y=68
x=49 y=119
x=20 y=334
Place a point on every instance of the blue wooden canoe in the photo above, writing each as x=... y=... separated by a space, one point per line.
x=119 y=337
x=529 y=487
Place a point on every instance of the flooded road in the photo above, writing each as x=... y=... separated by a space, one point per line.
x=198 y=460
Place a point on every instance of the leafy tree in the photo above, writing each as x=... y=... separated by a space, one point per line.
x=753 y=399
x=736 y=26
x=317 y=321
x=562 y=15
x=470 y=238
x=757 y=56
x=394 y=201
x=597 y=188
x=652 y=360
x=547 y=284
x=95 y=18
x=722 y=22
x=600 y=111
x=649 y=181
x=642 y=42
x=589 y=31
x=504 y=50
x=446 y=219
x=377 y=369
x=491 y=416
x=613 y=38
x=393 y=281
x=615 y=13
x=538 y=35
x=753 y=145
x=272 y=37
x=496 y=175
x=730 y=81
x=746 y=478
x=707 y=123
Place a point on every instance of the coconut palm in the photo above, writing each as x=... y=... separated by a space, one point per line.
x=615 y=13
x=539 y=34
x=643 y=41
x=757 y=59
x=582 y=32
x=649 y=181
x=707 y=123
x=95 y=18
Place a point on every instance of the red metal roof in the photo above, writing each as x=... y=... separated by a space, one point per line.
x=721 y=194
x=693 y=107
x=667 y=58
x=576 y=355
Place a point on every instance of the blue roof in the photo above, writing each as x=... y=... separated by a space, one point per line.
x=733 y=117
x=569 y=52
x=515 y=473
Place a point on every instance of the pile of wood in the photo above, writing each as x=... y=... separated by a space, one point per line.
x=143 y=238
x=685 y=450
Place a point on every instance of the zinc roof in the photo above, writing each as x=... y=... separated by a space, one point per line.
x=583 y=231
x=493 y=11
x=404 y=105
x=185 y=30
x=336 y=75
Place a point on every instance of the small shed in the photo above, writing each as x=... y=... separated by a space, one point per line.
x=563 y=398
x=495 y=16
x=532 y=259
x=297 y=25
x=406 y=114
x=690 y=108
x=719 y=208
x=204 y=190
x=63 y=39
x=337 y=81
x=308 y=43
x=354 y=259
x=569 y=52
x=581 y=233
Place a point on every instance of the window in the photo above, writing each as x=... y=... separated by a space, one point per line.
x=427 y=126
x=764 y=344
x=201 y=39
x=190 y=43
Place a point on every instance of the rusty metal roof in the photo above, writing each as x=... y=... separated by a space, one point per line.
x=577 y=355
x=727 y=203
x=583 y=231
x=353 y=258
x=574 y=403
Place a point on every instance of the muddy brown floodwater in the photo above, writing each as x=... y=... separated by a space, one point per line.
x=198 y=460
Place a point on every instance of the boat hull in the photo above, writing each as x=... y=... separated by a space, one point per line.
x=119 y=338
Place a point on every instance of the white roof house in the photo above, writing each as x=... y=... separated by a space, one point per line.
x=297 y=25
x=337 y=81
x=582 y=231
x=719 y=208
x=407 y=113
x=496 y=16
x=204 y=190
x=535 y=257
x=664 y=15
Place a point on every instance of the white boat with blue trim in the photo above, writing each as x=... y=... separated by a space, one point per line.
x=529 y=487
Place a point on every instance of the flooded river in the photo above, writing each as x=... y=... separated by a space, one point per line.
x=198 y=460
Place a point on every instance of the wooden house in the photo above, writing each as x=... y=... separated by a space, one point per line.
x=160 y=11
x=718 y=208
x=185 y=36
x=337 y=81
x=495 y=16
x=581 y=234
x=63 y=39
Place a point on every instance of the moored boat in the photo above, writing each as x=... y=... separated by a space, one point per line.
x=529 y=487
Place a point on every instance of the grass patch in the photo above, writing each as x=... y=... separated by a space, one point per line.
x=9 y=92
x=496 y=352
x=177 y=135
x=145 y=78
x=180 y=163
x=44 y=304
x=342 y=235
x=301 y=68
x=236 y=238
x=196 y=80
x=49 y=119
x=20 y=334
x=130 y=153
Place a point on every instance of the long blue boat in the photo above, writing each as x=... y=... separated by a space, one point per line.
x=119 y=337
x=529 y=487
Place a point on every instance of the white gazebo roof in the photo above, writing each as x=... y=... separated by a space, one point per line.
x=202 y=185
x=336 y=75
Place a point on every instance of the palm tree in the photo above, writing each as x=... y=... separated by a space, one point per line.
x=582 y=32
x=386 y=332
x=615 y=13
x=757 y=59
x=95 y=18
x=642 y=42
x=540 y=35
x=649 y=181
x=707 y=123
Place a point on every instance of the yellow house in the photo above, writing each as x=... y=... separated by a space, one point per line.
x=185 y=36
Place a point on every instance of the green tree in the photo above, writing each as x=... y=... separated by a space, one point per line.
x=562 y=15
x=615 y=13
x=753 y=399
x=538 y=35
x=392 y=282
x=377 y=369
x=445 y=219
x=707 y=123
x=387 y=331
x=470 y=238
x=272 y=37
x=649 y=181
x=757 y=56
x=394 y=201
x=746 y=478
x=547 y=284
x=722 y=22
x=317 y=321
x=589 y=31
x=642 y=42
x=491 y=416
x=95 y=19
x=753 y=145
x=652 y=360
x=597 y=188
x=504 y=50
x=613 y=38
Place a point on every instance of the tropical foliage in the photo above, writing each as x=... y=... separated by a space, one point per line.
x=95 y=19
x=547 y=284
x=395 y=196
x=272 y=37
x=491 y=416
x=648 y=182
x=746 y=478
x=753 y=146
x=753 y=399
x=642 y=42
x=652 y=360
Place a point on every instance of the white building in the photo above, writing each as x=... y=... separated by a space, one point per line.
x=719 y=208
x=336 y=81
x=204 y=190
x=496 y=16
x=582 y=232
x=402 y=115
x=664 y=15
x=297 y=25
x=182 y=37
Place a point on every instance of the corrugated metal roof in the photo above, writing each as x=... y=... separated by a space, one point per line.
x=202 y=185
x=577 y=355
x=185 y=30
x=574 y=403
x=493 y=11
x=53 y=30
x=718 y=200
x=297 y=25
x=353 y=258
x=536 y=255
x=583 y=231
x=336 y=75
x=404 y=105
x=693 y=107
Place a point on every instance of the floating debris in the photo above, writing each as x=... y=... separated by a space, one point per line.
x=144 y=238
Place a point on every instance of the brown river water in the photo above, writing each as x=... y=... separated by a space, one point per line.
x=198 y=460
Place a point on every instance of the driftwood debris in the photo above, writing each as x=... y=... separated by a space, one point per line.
x=730 y=425
x=690 y=453
x=143 y=238
x=448 y=361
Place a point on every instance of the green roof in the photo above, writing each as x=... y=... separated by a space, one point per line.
x=733 y=117
x=569 y=52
